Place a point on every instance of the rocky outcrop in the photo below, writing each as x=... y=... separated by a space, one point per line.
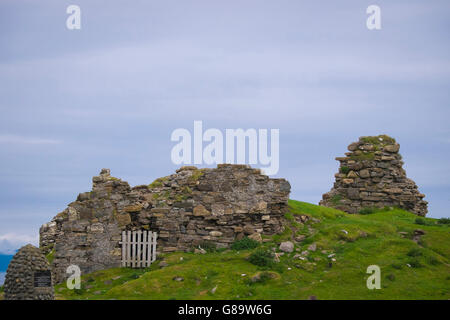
x=20 y=280
x=371 y=175
x=186 y=209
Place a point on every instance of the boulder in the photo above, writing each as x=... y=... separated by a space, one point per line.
x=286 y=246
x=215 y=234
x=199 y=251
x=256 y=236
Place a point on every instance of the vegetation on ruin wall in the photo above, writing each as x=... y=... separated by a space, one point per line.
x=362 y=156
x=51 y=256
x=377 y=140
x=356 y=241
x=158 y=182
x=196 y=175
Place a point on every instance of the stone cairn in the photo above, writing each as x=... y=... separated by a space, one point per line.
x=371 y=176
x=187 y=209
x=20 y=276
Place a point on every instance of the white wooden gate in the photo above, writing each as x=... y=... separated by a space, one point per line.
x=138 y=248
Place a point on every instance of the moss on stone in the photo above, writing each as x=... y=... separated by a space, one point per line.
x=336 y=199
x=156 y=196
x=196 y=174
x=164 y=196
x=344 y=169
x=181 y=197
x=363 y=156
x=63 y=215
x=381 y=139
x=158 y=182
x=186 y=190
x=50 y=256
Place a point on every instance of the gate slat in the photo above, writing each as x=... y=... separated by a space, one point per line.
x=138 y=254
x=128 y=248
x=154 y=247
x=133 y=249
x=124 y=248
x=144 y=249
x=149 y=251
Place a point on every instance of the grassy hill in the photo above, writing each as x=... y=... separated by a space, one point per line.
x=345 y=246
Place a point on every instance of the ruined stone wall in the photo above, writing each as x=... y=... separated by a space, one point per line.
x=185 y=209
x=371 y=175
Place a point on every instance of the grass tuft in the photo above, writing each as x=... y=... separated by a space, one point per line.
x=244 y=244
x=261 y=258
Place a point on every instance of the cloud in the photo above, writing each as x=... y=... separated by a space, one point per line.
x=11 y=242
x=110 y=97
x=15 y=139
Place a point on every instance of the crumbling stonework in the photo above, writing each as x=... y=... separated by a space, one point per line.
x=186 y=209
x=371 y=175
x=20 y=276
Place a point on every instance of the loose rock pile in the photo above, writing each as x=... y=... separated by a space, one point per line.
x=19 y=280
x=371 y=175
x=186 y=209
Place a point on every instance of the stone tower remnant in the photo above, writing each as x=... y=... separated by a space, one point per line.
x=371 y=175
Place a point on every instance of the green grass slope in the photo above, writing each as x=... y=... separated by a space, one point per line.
x=346 y=246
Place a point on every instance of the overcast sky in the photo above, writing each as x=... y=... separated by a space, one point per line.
x=110 y=95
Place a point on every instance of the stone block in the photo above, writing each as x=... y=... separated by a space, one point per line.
x=123 y=219
x=200 y=210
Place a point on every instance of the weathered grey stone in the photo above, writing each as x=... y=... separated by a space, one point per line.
x=123 y=220
x=353 y=146
x=248 y=229
x=201 y=211
x=256 y=236
x=352 y=174
x=394 y=148
x=364 y=173
x=287 y=246
x=353 y=193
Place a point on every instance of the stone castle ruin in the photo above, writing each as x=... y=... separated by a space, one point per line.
x=214 y=206
x=187 y=209
x=371 y=175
